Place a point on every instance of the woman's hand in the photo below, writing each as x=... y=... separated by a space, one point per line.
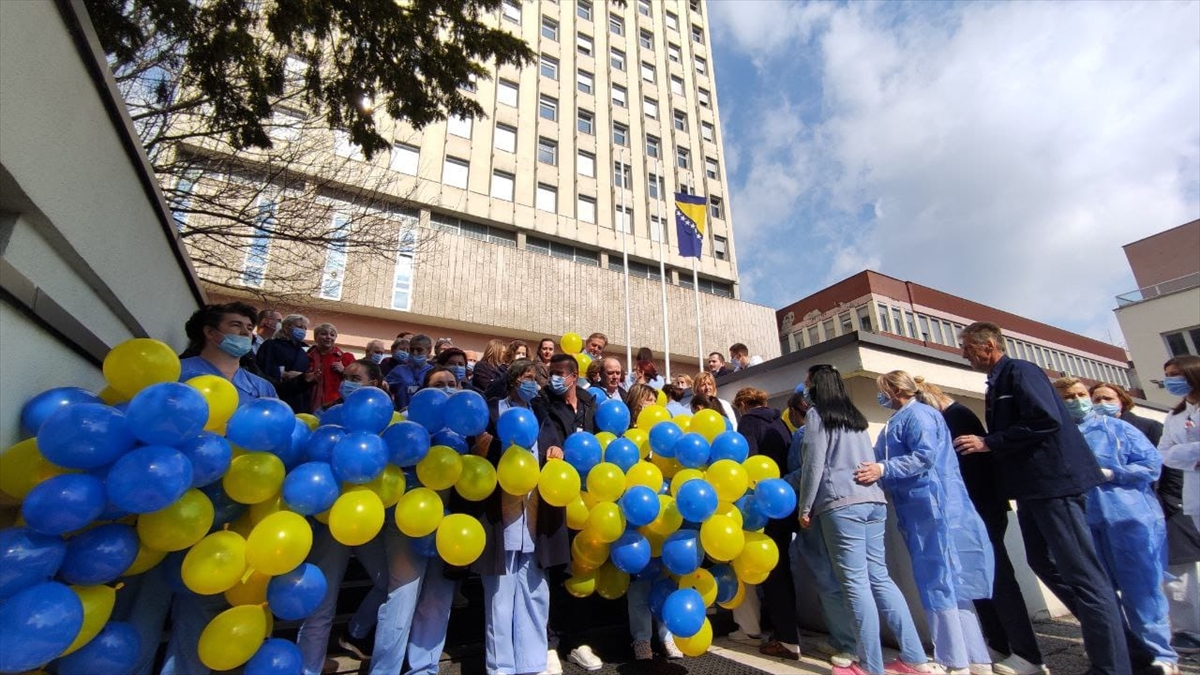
x=805 y=522
x=868 y=473
x=554 y=452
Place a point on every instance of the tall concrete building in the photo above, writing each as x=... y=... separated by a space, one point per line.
x=515 y=224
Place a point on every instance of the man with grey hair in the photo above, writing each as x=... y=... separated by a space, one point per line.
x=376 y=351
x=268 y=325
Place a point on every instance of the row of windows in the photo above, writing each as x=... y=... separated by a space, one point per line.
x=511 y=11
x=1183 y=342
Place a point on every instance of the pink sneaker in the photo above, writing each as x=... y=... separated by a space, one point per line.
x=852 y=669
x=899 y=667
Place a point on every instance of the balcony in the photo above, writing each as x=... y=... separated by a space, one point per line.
x=1157 y=290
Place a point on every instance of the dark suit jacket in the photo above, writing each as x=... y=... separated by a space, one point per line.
x=1040 y=453
x=978 y=469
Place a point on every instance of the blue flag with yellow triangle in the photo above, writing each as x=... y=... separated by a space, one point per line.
x=690 y=212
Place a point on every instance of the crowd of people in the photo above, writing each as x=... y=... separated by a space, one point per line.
x=1108 y=504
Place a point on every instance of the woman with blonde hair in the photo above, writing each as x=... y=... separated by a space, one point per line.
x=491 y=365
x=706 y=384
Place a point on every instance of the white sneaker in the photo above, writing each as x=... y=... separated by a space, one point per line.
x=958 y=671
x=671 y=650
x=1015 y=665
x=981 y=669
x=585 y=658
x=843 y=659
x=553 y=665
x=741 y=636
x=1166 y=667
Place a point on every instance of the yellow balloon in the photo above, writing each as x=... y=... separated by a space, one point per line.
x=703 y=582
x=396 y=417
x=136 y=364
x=707 y=423
x=179 y=525
x=606 y=481
x=605 y=438
x=590 y=500
x=760 y=467
x=222 y=398
x=254 y=477
x=582 y=361
x=97 y=608
x=460 y=539
x=697 y=644
x=356 y=517
x=112 y=396
x=737 y=598
x=651 y=415
x=559 y=485
x=730 y=509
x=669 y=466
x=244 y=524
x=517 y=471
x=265 y=508
x=577 y=512
x=683 y=421
x=728 y=478
x=581 y=585
x=645 y=474
x=571 y=343
x=146 y=559
x=389 y=485
x=669 y=519
x=722 y=538
x=478 y=479
x=606 y=523
x=215 y=564
x=251 y=591
x=279 y=543
x=760 y=554
x=661 y=400
x=590 y=552
x=232 y=637
x=684 y=476
x=656 y=543
x=440 y=468
x=312 y=422
x=640 y=438
x=611 y=582
x=22 y=467
x=419 y=512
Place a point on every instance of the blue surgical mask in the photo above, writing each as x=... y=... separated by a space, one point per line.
x=400 y=356
x=376 y=358
x=1107 y=409
x=347 y=387
x=298 y=334
x=527 y=390
x=236 y=346
x=884 y=400
x=1079 y=407
x=558 y=384
x=460 y=372
x=1177 y=385
x=419 y=361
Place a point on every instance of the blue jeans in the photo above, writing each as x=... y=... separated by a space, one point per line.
x=428 y=633
x=331 y=557
x=145 y=602
x=810 y=545
x=405 y=570
x=854 y=536
x=517 y=605
x=641 y=621
x=190 y=614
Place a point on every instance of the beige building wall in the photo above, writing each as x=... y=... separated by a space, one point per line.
x=1144 y=324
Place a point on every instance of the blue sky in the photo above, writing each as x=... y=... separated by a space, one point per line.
x=1003 y=152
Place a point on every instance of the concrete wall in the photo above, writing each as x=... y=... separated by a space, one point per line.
x=1144 y=324
x=1165 y=256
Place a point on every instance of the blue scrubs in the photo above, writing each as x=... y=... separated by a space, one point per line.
x=404 y=380
x=406 y=569
x=1127 y=525
x=249 y=386
x=951 y=555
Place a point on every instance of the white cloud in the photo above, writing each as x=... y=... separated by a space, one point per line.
x=1003 y=152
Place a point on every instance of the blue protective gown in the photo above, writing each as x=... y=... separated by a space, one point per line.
x=1127 y=525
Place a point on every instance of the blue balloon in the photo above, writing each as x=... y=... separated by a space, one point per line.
x=294 y=595
x=39 y=408
x=639 y=504
x=407 y=443
x=100 y=555
x=774 y=498
x=598 y=394
x=696 y=500
x=630 y=553
x=319 y=447
x=427 y=408
x=275 y=657
x=27 y=558
x=114 y=650
x=149 y=478
x=681 y=552
x=358 y=458
x=752 y=518
x=622 y=452
x=172 y=567
x=38 y=624
x=63 y=503
x=331 y=415
x=691 y=450
x=210 y=455
x=659 y=592
x=167 y=413
x=727 y=581
x=652 y=571
x=729 y=445
x=293 y=456
x=310 y=488
x=425 y=546
x=451 y=440
x=663 y=438
x=85 y=436
x=369 y=409
x=517 y=426
x=263 y=425
x=582 y=451
x=683 y=612
x=225 y=510
x=466 y=413
x=613 y=417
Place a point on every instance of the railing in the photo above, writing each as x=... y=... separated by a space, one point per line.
x=1150 y=292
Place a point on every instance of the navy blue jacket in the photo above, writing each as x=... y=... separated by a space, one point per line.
x=1039 y=451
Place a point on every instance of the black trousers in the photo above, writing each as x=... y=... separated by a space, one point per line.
x=1004 y=618
x=779 y=594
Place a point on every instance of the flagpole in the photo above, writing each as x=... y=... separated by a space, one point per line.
x=625 y=261
x=696 y=289
x=662 y=271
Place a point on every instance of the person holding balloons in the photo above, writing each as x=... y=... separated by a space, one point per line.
x=283 y=361
x=706 y=384
x=220 y=335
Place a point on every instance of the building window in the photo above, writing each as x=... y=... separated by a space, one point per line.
x=912 y=326
x=616 y=25
x=677 y=85
x=653 y=146
x=405 y=158
x=697 y=34
x=646 y=39
x=584 y=82
x=864 y=318
x=651 y=107
x=883 y=318
x=621 y=135
x=403 y=278
x=506 y=93
x=643 y=7
x=827 y=327
x=719 y=244
x=502 y=186
x=454 y=172
x=1183 y=342
x=616 y=58
x=563 y=251
x=549 y=67
x=548 y=109
x=898 y=321
x=938 y=337
x=619 y=96
x=706 y=132
x=673 y=53
x=701 y=66
x=715 y=208
x=584 y=45
x=511 y=10
x=547 y=151
x=654 y=186
x=647 y=72
x=181 y=198
x=703 y=97
x=344 y=147
x=286 y=126
x=923 y=321
x=549 y=28
x=695 y=5
x=547 y=198
x=585 y=209
x=710 y=168
x=586 y=122
x=583 y=9
x=506 y=138
x=470 y=84
x=585 y=165
x=672 y=21
x=255 y=264
x=680 y=120
x=623 y=219
x=459 y=126
x=622 y=176
x=683 y=159
x=846 y=323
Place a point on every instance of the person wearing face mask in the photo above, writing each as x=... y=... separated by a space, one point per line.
x=219 y=336
x=326 y=361
x=405 y=378
x=1180 y=449
x=455 y=360
x=376 y=352
x=1127 y=522
x=283 y=361
x=399 y=356
x=952 y=558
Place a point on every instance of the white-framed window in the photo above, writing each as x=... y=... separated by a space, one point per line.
x=584 y=45
x=621 y=135
x=677 y=85
x=585 y=82
x=694 y=5
x=470 y=84
x=459 y=126
x=1182 y=342
x=643 y=7
x=547 y=198
x=655 y=188
x=548 y=108
x=716 y=208
x=586 y=122
x=405 y=158
x=502 y=185
x=711 y=169
x=616 y=25
x=549 y=28
x=181 y=198
x=650 y=106
x=616 y=58
x=455 y=172
x=680 y=120
x=402 y=279
x=646 y=39
x=702 y=66
x=674 y=54
x=549 y=67
x=623 y=219
x=585 y=164
x=286 y=125
x=683 y=159
x=703 y=97
x=656 y=228
x=511 y=9
x=344 y=147
x=697 y=34
x=583 y=9
x=255 y=265
x=647 y=72
x=622 y=175
x=619 y=96
x=506 y=93
x=706 y=131
x=719 y=246
x=672 y=21
x=585 y=209
x=333 y=276
x=653 y=146
x=506 y=138
x=547 y=151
